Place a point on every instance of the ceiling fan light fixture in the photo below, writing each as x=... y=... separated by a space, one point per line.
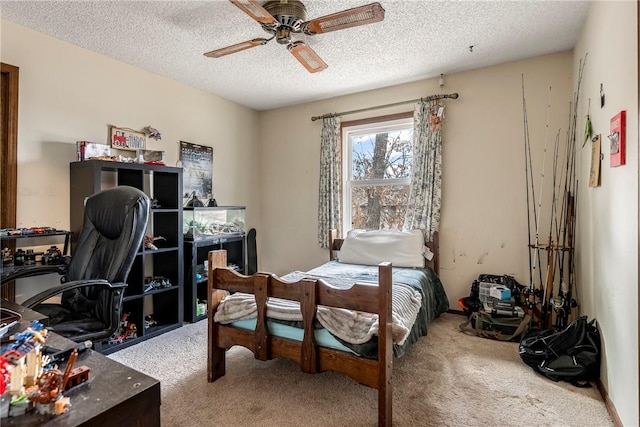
x=283 y=35
x=307 y=57
x=346 y=19
x=254 y=10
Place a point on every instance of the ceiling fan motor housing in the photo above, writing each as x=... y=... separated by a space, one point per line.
x=290 y=15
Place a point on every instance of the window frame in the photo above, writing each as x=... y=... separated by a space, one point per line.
x=371 y=124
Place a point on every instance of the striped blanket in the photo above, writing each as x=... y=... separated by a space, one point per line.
x=354 y=327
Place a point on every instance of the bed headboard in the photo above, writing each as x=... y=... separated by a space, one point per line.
x=335 y=244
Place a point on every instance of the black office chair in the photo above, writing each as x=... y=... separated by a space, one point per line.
x=93 y=285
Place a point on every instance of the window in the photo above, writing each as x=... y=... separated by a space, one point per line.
x=378 y=155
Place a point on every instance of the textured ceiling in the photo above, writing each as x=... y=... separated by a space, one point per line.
x=416 y=40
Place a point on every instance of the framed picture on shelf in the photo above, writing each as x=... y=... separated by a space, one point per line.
x=127 y=139
x=197 y=166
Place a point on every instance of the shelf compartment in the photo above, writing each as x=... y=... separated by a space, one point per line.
x=195 y=253
x=163 y=223
x=170 y=185
x=166 y=264
x=135 y=280
x=161 y=306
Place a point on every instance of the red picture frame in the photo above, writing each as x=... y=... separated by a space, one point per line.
x=617 y=138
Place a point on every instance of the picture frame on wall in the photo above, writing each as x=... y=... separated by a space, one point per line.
x=197 y=175
x=617 y=139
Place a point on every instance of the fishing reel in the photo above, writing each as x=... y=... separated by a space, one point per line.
x=562 y=307
x=530 y=297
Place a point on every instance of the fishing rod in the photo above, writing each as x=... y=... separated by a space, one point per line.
x=551 y=249
x=526 y=172
x=571 y=301
x=531 y=293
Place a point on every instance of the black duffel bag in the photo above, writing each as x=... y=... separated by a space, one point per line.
x=572 y=354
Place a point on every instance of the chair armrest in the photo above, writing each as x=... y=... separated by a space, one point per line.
x=48 y=293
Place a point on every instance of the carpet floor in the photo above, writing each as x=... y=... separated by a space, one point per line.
x=446 y=379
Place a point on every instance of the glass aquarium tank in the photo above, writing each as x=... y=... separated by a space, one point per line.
x=203 y=223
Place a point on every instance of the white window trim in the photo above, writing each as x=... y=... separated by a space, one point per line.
x=347 y=156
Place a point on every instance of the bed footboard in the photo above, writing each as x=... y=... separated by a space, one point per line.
x=311 y=357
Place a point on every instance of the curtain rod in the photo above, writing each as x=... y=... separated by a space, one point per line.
x=428 y=98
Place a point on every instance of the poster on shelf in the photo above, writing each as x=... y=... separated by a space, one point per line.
x=197 y=175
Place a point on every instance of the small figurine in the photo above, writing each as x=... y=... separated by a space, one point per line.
x=132 y=331
x=148 y=242
x=153 y=133
x=6 y=256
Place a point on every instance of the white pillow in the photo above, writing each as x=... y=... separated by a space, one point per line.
x=401 y=248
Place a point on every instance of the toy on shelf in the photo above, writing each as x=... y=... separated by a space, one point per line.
x=157 y=282
x=126 y=330
x=23 y=231
x=148 y=242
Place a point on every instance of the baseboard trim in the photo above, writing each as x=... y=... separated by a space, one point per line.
x=611 y=408
x=460 y=312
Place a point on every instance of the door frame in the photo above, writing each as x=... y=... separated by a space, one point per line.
x=9 y=155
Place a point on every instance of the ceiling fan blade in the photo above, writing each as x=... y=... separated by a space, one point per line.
x=307 y=57
x=255 y=10
x=346 y=19
x=235 y=48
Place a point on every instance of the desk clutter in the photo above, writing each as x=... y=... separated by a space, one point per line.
x=30 y=378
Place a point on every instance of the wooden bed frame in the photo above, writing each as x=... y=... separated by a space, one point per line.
x=309 y=293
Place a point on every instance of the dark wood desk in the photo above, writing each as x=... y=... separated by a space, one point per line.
x=115 y=395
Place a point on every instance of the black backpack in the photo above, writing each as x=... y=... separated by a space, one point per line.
x=572 y=354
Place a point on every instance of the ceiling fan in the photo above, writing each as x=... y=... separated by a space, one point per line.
x=281 y=18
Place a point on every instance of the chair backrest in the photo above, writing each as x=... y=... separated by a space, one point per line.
x=114 y=225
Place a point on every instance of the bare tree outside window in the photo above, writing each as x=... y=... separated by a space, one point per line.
x=379 y=175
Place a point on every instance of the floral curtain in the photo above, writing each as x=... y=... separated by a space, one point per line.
x=330 y=193
x=423 y=207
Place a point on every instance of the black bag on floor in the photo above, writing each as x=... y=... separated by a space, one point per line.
x=572 y=354
x=499 y=328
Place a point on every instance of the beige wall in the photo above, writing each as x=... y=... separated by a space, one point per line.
x=483 y=225
x=68 y=94
x=607 y=255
